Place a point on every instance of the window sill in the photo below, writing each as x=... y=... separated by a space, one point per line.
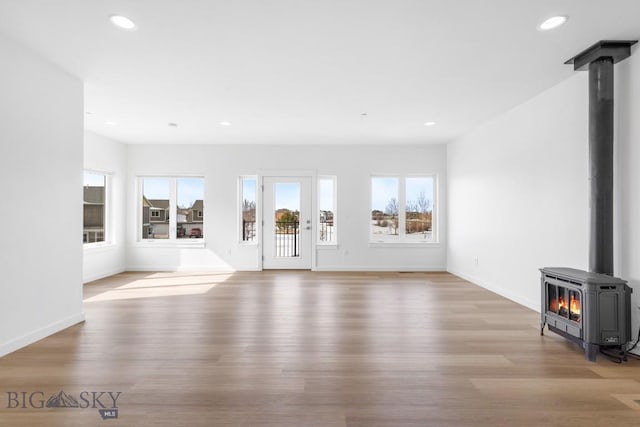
x=416 y=245
x=170 y=244
x=327 y=246
x=98 y=247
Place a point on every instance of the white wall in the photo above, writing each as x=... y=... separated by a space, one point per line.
x=108 y=156
x=221 y=166
x=41 y=180
x=518 y=190
x=627 y=164
x=518 y=194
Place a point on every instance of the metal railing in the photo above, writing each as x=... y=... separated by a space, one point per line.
x=326 y=231
x=248 y=231
x=92 y=235
x=287 y=235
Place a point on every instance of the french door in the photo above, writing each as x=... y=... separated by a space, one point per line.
x=288 y=225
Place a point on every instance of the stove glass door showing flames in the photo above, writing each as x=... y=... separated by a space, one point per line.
x=564 y=302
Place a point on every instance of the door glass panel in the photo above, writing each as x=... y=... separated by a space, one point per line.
x=287 y=219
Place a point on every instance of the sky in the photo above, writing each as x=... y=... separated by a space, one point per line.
x=93 y=179
x=249 y=189
x=325 y=194
x=188 y=190
x=287 y=195
x=384 y=189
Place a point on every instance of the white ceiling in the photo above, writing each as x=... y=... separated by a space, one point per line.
x=303 y=72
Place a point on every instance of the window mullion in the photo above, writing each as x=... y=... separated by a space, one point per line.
x=173 y=209
x=402 y=193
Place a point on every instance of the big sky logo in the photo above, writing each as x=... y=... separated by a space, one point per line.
x=106 y=402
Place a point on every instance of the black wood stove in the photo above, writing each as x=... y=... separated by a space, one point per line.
x=590 y=309
x=593 y=308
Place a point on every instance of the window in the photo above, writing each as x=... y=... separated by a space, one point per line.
x=189 y=214
x=248 y=191
x=172 y=208
x=94 y=207
x=155 y=208
x=385 y=219
x=327 y=210
x=402 y=209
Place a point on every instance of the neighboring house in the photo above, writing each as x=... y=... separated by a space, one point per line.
x=196 y=212
x=93 y=210
x=190 y=218
x=159 y=211
x=155 y=218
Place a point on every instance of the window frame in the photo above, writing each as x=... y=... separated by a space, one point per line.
x=334 y=241
x=258 y=222
x=108 y=217
x=172 y=241
x=402 y=240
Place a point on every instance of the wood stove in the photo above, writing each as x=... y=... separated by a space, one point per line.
x=590 y=309
x=593 y=308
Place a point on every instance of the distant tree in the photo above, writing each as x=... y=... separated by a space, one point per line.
x=392 y=210
x=392 y=207
x=423 y=203
x=286 y=222
x=248 y=210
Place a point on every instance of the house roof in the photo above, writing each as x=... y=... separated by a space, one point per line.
x=198 y=205
x=93 y=195
x=159 y=203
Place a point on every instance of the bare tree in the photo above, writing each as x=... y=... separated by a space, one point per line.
x=423 y=203
x=392 y=207
x=248 y=210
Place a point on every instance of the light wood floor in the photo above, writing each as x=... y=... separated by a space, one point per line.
x=315 y=349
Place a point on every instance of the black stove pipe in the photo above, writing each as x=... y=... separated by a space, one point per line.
x=599 y=60
x=601 y=165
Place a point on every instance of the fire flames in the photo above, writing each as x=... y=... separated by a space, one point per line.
x=571 y=310
x=562 y=303
x=575 y=305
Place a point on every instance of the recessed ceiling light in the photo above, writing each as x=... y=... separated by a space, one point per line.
x=225 y=123
x=110 y=123
x=173 y=125
x=553 y=22
x=429 y=123
x=364 y=114
x=123 y=22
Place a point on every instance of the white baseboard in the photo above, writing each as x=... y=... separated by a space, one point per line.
x=533 y=305
x=187 y=268
x=365 y=268
x=99 y=276
x=38 y=334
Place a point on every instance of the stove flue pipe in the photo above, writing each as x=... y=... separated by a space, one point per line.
x=599 y=60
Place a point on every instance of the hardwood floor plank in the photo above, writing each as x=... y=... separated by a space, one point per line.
x=299 y=348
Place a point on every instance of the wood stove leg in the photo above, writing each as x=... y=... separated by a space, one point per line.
x=542 y=328
x=591 y=351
